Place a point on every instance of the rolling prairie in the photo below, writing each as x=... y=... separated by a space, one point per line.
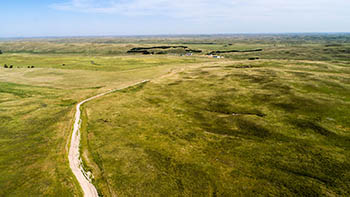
x=37 y=108
x=274 y=125
x=226 y=129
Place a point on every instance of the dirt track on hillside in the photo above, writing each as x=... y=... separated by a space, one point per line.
x=75 y=162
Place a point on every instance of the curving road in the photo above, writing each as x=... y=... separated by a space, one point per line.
x=75 y=161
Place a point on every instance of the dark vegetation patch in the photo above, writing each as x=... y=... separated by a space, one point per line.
x=175 y=83
x=211 y=66
x=252 y=128
x=299 y=104
x=290 y=107
x=276 y=86
x=154 y=100
x=322 y=168
x=22 y=91
x=146 y=50
x=293 y=182
x=157 y=47
x=337 y=50
x=203 y=72
x=12 y=66
x=307 y=124
x=235 y=51
x=3 y=119
x=67 y=102
x=97 y=87
x=259 y=114
x=207 y=113
x=220 y=104
x=231 y=126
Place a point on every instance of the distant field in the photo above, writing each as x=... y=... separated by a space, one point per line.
x=95 y=63
x=202 y=126
x=336 y=48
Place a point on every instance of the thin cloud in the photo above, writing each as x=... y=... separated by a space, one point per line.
x=198 y=9
x=179 y=8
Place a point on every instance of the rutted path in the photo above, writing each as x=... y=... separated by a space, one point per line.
x=75 y=161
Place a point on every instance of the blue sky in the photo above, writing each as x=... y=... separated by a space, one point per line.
x=26 y=18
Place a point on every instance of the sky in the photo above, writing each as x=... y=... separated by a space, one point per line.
x=37 y=18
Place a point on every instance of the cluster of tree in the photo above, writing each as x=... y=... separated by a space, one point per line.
x=5 y=66
x=145 y=50
x=0 y=52
x=157 y=47
x=234 y=51
x=11 y=66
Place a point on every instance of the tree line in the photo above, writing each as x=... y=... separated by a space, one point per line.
x=11 y=66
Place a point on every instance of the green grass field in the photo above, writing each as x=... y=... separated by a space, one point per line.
x=226 y=129
x=201 y=127
x=37 y=107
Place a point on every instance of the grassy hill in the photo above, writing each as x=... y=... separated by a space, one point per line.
x=226 y=128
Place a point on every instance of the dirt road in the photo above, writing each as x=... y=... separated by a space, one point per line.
x=75 y=162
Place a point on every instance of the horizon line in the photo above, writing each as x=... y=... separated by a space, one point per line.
x=165 y=35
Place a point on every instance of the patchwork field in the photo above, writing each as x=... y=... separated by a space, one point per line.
x=202 y=126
